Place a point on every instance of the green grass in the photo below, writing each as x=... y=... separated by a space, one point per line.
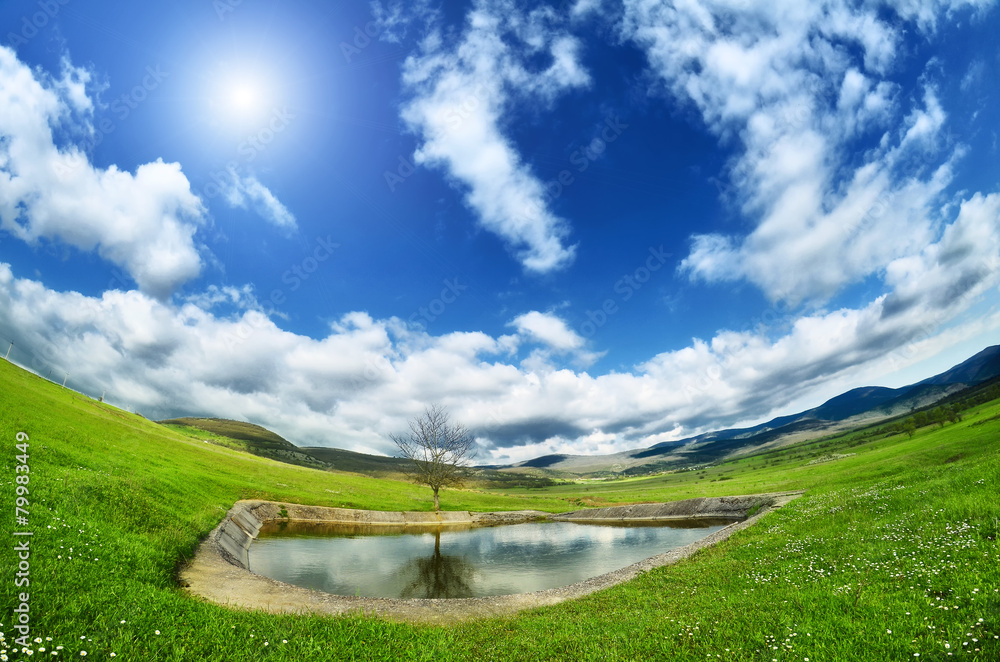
x=264 y=443
x=892 y=553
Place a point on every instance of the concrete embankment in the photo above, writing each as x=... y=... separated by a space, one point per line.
x=735 y=507
x=219 y=571
x=244 y=521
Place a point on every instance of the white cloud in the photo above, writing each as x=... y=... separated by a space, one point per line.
x=366 y=377
x=584 y=7
x=241 y=297
x=395 y=18
x=144 y=222
x=927 y=12
x=458 y=97
x=557 y=339
x=772 y=75
x=798 y=84
x=241 y=191
x=549 y=329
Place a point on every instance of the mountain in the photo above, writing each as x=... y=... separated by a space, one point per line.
x=854 y=402
x=265 y=443
x=246 y=437
x=867 y=404
x=981 y=367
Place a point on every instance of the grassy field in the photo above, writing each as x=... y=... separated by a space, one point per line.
x=891 y=555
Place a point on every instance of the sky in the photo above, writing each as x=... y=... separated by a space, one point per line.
x=581 y=227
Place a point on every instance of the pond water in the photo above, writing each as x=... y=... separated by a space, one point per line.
x=449 y=562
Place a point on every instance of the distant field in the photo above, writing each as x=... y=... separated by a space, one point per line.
x=891 y=555
x=262 y=442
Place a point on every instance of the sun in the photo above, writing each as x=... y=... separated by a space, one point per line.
x=244 y=97
x=241 y=97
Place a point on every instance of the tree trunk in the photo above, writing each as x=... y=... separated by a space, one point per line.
x=437 y=503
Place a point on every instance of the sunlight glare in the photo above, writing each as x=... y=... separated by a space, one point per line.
x=244 y=98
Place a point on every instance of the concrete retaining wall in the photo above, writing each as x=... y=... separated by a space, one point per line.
x=244 y=520
x=736 y=507
x=219 y=572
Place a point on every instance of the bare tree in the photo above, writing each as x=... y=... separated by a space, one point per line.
x=439 y=450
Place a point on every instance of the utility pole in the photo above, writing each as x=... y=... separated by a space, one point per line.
x=8 y=350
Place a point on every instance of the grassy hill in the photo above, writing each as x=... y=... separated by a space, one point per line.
x=891 y=554
x=246 y=437
x=264 y=443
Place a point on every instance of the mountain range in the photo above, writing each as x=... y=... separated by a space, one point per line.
x=857 y=407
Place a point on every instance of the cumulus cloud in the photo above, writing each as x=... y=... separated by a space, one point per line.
x=549 y=329
x=366 y=377
x=799 y=86
x=458 y=94
x=791 y=83
x=555 y=336
x=144 y=222
x=246 y=191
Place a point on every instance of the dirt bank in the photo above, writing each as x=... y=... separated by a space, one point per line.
x=218 y=572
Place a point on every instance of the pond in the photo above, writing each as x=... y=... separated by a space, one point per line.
x=449 y=562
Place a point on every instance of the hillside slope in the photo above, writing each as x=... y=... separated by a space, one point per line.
x=117 y=503
x=247 y=437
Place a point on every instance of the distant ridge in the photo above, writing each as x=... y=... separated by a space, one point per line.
x=984 y=365
x=248 y=437
x=265 y=443
x=866 y=404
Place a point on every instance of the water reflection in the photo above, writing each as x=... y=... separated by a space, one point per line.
x=417 y=561
x=438 y=576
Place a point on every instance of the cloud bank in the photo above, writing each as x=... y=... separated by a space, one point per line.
x=366 y=377
x=792 y=84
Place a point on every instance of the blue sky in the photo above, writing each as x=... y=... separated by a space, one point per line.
x=582 y=227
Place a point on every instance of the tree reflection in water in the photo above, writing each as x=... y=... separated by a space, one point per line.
x=439 y=576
